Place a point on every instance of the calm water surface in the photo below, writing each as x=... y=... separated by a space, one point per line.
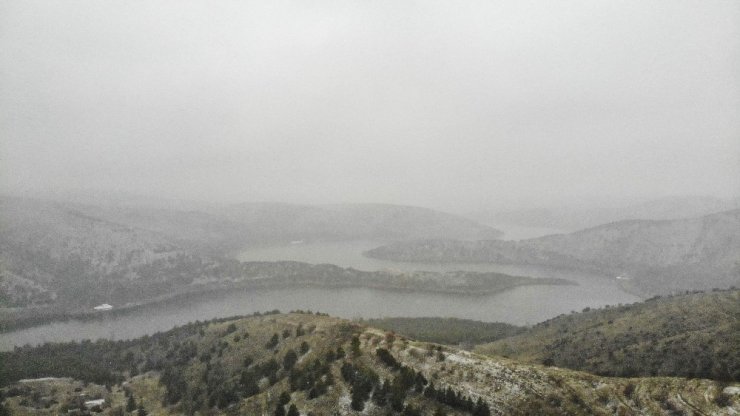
x=522 y=306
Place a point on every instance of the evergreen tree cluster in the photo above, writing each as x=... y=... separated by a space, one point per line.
x=314 y=378
x=198 y=375
x=456 y=400
x=362 y=381
x=409 y=380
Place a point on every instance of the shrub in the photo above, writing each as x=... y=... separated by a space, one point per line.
x=273 y=342
x=289 y=360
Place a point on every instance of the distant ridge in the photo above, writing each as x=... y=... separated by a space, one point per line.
x=575 y=218
x=353 y=221
x=659 y=256
x=224 y=229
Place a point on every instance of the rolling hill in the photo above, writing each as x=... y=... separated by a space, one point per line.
x=317 y=365
x=654 y=257
x=222 y=230
x=691 y=335
x=60 y=258
x=285 y=222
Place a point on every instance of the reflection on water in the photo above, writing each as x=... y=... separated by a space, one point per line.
x=523 y=305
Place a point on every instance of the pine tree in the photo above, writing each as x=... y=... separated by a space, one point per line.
x=272 y=342
x=130 y=404
x=289 y=360
x=430 y=391
x=141 y=411
x=481 y=408
x=380 y=395
x=355 y=346
x=293 y=411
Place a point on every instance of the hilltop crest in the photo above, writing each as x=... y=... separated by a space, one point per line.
x=323 y=365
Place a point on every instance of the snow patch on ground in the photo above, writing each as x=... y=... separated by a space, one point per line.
x=43 y=379
x=343 y=403
x=457 y=358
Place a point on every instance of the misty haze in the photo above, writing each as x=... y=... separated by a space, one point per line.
x=369 y=207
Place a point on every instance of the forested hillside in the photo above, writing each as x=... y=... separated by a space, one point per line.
x=53 y=254
x=316 y=365
x=691 y=335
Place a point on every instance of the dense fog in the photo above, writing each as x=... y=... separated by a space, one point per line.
x=457 y=106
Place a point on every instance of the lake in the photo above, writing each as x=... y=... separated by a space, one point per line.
x=522 y=306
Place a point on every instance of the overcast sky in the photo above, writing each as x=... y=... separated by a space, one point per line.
x=456 y=104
